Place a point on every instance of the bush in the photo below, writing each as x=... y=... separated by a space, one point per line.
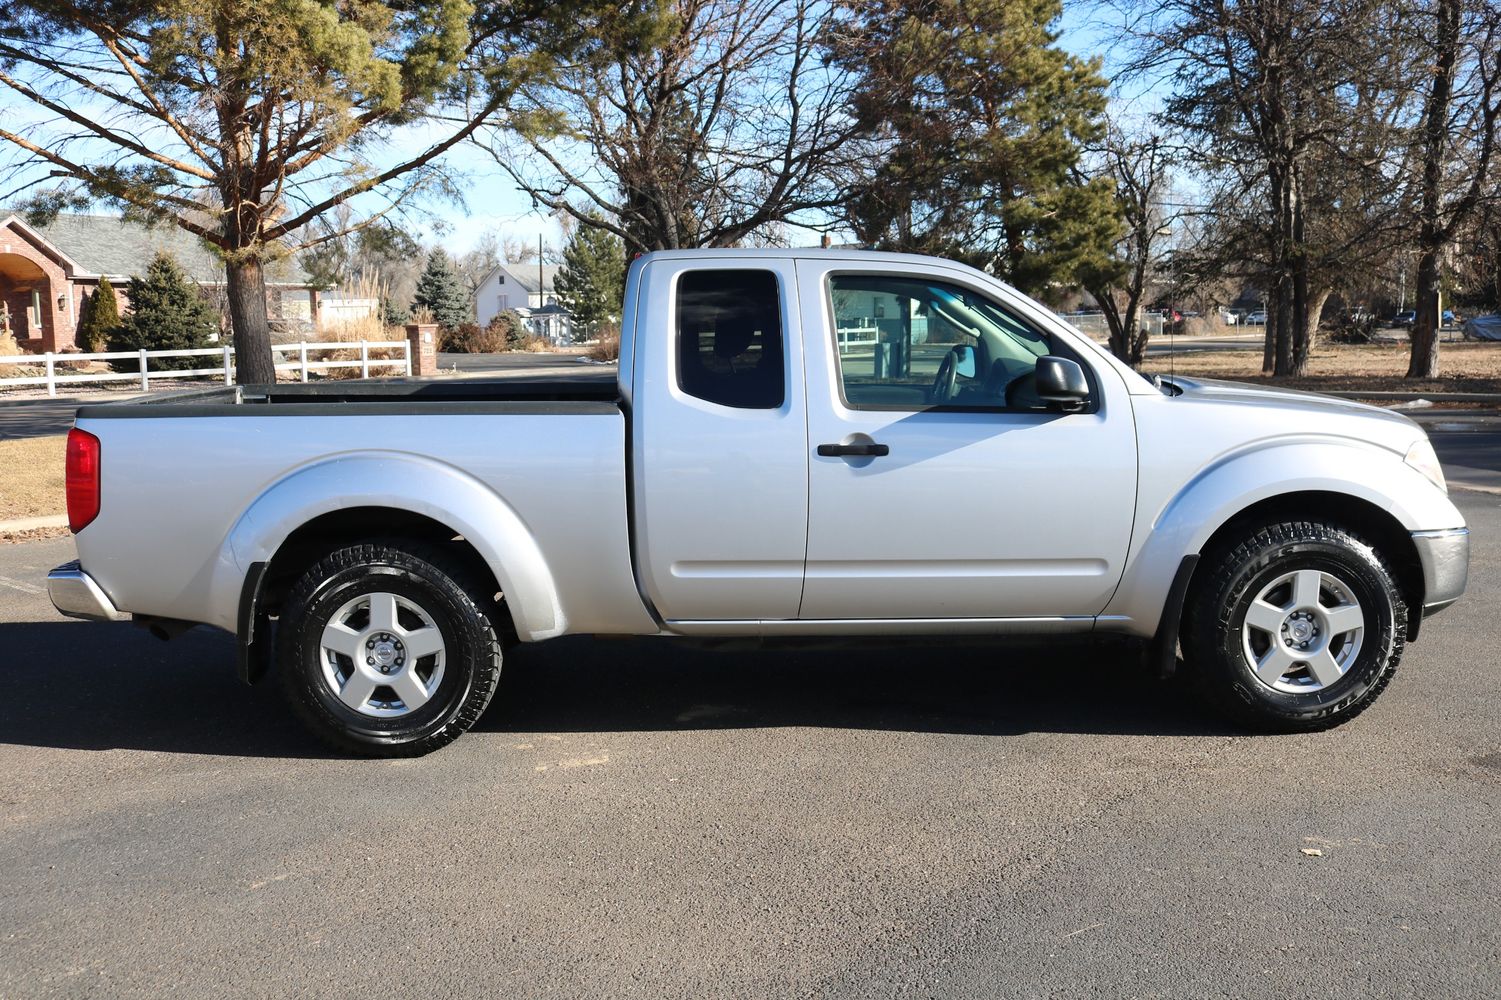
x=8 y=346
x=469 y=338
x=167 y=313
x=607 y=344
x=101 y=313
x=506 y=332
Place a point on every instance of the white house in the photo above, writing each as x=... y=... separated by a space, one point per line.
x=527 y=290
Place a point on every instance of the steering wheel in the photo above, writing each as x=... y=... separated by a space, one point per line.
x=947 y=378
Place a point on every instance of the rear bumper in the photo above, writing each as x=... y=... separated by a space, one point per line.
x=1445 y=557
x=75 y=594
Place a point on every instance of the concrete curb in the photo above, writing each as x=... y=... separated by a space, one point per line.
x=31 y=523
x=1494 y=398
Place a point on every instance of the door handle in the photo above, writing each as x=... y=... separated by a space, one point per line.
x=853 y=450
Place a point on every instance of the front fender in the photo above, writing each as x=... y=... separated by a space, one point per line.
x=405 y=482
x=1191 y=514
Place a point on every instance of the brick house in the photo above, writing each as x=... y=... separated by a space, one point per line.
x=46 y=271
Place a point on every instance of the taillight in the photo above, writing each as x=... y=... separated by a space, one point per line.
x=82 y=479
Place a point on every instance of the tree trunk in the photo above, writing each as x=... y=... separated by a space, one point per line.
x=247 y=316
x=1315 y=307
x=1268 y=337
x=1424 y=361
x=1299 y=318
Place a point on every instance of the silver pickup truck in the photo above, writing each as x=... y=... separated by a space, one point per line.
x=799 y=444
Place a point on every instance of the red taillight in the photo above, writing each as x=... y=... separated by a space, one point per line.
x=82 y=479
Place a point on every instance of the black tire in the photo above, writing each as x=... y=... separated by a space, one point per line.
x=1229 y=580
x=458 y=605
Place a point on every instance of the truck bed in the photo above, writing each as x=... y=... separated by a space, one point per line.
x=584 y=393
x=197 y=500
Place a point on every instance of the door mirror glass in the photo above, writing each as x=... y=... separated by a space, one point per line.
x=965 y=361
x=1061 y=382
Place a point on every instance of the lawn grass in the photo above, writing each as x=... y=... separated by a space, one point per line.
x=1463 y=367
x=31 y=477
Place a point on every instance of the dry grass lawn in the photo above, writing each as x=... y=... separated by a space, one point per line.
x=31 y=477
x=1463 y=367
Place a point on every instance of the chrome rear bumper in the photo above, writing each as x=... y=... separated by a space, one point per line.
x=1445 y=556
x=75 y=594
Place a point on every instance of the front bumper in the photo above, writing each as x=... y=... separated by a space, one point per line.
x=1445 y=557
x=75 y=594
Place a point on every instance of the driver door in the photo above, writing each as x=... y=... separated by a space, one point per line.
x=963 y=496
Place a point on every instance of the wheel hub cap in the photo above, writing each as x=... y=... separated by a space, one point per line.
x=1302 y=631
x=382 y=655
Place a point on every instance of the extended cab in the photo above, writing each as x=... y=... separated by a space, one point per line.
x=798 y=443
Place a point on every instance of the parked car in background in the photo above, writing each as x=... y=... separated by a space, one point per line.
x=1405 y=319
x=978 y=468
x=1483 y=327
x=1257 y=318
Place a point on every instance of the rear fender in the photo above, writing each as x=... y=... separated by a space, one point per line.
x=405 y=482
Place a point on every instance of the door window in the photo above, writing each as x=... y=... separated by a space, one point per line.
x=915 y=344
x=729 y=338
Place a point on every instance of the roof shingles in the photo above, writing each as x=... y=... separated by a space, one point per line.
x=103 y=244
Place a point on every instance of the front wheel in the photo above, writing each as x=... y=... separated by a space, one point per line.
x=1296 y=626
x=388 y=649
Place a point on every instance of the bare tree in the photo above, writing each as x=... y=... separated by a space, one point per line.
x=1271 y=98
x=1453 y=171
x=1138 y=167
x=726 y=124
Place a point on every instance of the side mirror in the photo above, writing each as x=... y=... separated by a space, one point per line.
x=1061 y=383
x=966 y=361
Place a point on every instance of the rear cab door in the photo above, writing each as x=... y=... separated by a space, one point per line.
x=719 y=432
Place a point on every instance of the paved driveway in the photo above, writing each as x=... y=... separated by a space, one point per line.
x=639 y=819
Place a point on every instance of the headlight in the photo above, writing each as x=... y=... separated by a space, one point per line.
x=1421 y=457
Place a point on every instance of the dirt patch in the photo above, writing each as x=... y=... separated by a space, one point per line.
x=1465 y=367
x=31 y=477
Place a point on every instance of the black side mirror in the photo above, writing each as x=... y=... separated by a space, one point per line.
x=1061 y=383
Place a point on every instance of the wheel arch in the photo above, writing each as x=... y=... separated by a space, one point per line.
x=313 y=510
x=1365 y=488
x=1360 y=516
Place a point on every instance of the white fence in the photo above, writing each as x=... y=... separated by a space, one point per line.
x=397 y=355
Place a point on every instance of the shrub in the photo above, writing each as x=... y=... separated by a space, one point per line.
x=167 y=313
x=506 y=332
x=8 y=346
x=606 y=346
x=101 y=313
x=469 y=338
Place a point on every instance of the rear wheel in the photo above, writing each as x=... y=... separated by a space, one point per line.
x=1295 y=626
x=388 y=649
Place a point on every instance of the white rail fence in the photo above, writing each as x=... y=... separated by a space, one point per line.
x=394 y=354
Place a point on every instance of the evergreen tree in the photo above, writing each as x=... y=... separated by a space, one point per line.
x=100 y=313
x=591 y=282
x=166 y=314
x=978 y=118
x=441 y=291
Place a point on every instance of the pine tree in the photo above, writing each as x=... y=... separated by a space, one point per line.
x=441 y=291
x=101 y=313
x=591 y=282
x=980 y=118
x=166 y=314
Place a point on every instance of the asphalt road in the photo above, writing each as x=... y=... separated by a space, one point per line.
x=633 y=818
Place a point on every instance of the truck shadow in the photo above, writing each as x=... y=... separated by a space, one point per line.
x=100 y=687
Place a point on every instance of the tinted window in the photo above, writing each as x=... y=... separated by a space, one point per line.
x=729 y=335
x=912 y=343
